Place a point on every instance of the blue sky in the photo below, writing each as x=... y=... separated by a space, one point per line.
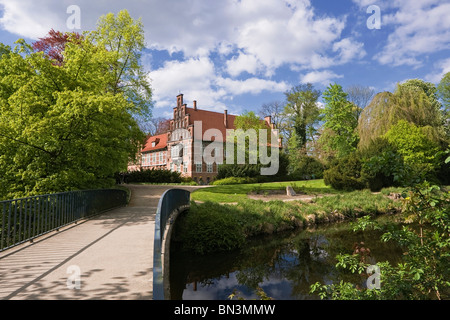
x=239 y=54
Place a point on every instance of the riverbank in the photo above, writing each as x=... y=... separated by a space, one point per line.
x=213 y=227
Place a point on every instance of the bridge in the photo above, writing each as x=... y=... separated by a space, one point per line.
x=107 y=257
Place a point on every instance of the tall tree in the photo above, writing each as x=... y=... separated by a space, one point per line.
x=360 y=96
x=61 y=126
x=444 y=95
x=303 y=111
x=275 y=110
x=414 y=101
x=123 y=37
x=339 y=135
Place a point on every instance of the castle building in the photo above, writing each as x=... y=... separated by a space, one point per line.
x=174 y=150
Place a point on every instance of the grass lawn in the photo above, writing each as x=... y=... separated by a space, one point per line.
x=238 y=192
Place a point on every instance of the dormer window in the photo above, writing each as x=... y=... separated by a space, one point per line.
x=153 y=144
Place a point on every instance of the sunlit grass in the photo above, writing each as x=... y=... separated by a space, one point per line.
x=238 y=192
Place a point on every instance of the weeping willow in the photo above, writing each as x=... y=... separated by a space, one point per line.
x=410 y=103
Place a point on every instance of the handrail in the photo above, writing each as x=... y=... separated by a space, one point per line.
x=172 y=201
x=25 y=219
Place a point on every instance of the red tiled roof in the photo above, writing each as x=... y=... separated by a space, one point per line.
x=160 y=143
x=211 y=120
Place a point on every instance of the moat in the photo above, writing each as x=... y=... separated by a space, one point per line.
x=284 y=265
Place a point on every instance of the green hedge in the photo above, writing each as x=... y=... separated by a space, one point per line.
x=150 y=176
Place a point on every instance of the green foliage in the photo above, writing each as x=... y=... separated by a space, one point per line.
x=382 y=165
x=234 y=180
x=414 y=101
x=211 y=227
x=425 y=269
x=307 y=167
x=68 y=126
x=238 y=171
x=444 y=94
x=418 y=152
x=340 y=122
x=303 y=112
x=345 y=173
x=151 y=176
x=123 y=37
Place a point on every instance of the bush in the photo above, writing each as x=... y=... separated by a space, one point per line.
x=234 y=180
x=307 y=168
x=382 y=165
x=150 y=176
x=345 y=173
x=238 y=171
x=210 y=227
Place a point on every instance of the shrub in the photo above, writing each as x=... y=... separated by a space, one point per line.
x=234 y=180
x=345 y=173
x=151 y=176
x=307 y=168
x=418 y=151
x=238 y=171
x=382 y=165
x=210 y=227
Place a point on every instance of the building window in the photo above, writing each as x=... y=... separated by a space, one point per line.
x=198 y=167
x=161 y=158
x=209 y=167
x=145 y=159
x=185 y=168
x=171 y=166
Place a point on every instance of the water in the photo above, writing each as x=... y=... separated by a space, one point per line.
x=283 y=265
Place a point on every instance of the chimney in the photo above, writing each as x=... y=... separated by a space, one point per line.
x=195 y=105
x=268 y=120
x=225 y=119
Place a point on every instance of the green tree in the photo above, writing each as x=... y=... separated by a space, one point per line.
x=339 y=135
x=303 y=111
x=123 y=37
x=444 y=95
x=413 y=101
x=418 y=151
x=63 y=127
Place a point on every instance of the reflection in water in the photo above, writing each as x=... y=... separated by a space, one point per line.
x=283 y=265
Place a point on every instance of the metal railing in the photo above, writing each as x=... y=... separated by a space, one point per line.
x=171 y=200
x=25 y=219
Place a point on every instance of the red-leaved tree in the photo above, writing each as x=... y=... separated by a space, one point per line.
x=54 y=44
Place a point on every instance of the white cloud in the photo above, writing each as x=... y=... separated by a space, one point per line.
x=256 y=36
x=193 y=77
x=251 y=85
x=197 y=78
x=27 y=19
x=441 y=68
x=243 y=62
x=323 y=77
x=420 y=27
